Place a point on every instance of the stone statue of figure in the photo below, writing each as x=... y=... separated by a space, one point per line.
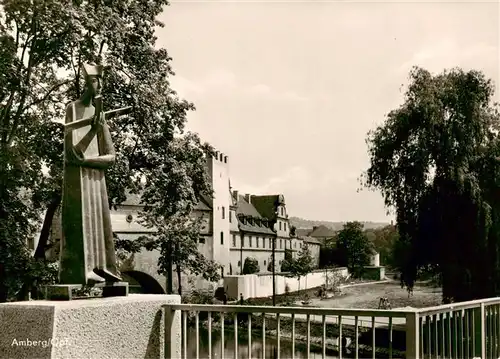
x=87 y=247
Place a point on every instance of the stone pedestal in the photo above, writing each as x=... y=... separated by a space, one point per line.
x=66 y=291
x=115 y=289
x=101 y=328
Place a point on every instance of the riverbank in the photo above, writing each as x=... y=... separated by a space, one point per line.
x=368 y=296
x=292 y=298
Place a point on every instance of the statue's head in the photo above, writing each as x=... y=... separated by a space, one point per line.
x=93 y=78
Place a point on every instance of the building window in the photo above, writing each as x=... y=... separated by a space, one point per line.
x=257 y=242
x=284 y=224
x=270 y=243
x=239 y=263
x=265 y=262
x=234 y=240
x=250 y=241
x=201 y=240
x=280 y=224
x=223 y=212
x=221 y=237
x=230 y=216
x=281 y=210
x=281 y=243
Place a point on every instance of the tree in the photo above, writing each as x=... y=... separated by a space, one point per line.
x=270 y=265
x=435 y=160
x=354 y=247
x=42 y=48
x=287 y=262
x=384 y=240
x=251 y=266
x=302 y=265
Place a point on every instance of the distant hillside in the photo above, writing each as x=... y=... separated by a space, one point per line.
x=306 y=223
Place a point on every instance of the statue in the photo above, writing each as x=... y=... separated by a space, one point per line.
x=87 y=247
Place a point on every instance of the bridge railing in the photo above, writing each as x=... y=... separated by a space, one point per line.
x=460 y=330
x=236 y=327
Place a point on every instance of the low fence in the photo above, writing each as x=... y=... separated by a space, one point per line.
x=261 y=285
x=280 y=332
x=460 y=330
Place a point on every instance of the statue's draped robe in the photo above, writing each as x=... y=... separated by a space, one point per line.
x=87 y=242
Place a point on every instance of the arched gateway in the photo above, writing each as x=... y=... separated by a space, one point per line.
x=140 y=282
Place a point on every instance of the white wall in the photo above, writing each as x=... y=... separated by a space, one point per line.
x=262 y=254
x=261 y=285
x=375 y=260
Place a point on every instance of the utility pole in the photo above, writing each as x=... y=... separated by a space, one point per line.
x=274 y=271
x=242 y=242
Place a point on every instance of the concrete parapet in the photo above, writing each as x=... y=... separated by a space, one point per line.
x=114 y=327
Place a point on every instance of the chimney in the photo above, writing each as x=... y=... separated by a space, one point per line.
x=216 y=155
x=235 y=194
x=221 y=157
x=248 y=198
x=225 y=159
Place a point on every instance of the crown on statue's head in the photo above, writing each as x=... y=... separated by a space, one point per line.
x=93 y=70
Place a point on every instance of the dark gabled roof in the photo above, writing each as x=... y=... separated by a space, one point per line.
x=205 y=203
x=255 y=229
x=265 y=205
x=303 y=232
x=246 y=208
x=233 y=200
x=311 y=240
x=322 y=232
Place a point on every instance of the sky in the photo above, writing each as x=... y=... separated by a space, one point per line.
x=288 y=90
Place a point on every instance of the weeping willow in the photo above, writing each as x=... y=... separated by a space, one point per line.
x=435 y=160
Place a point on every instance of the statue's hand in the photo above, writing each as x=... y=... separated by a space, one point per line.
x=76 y=156
x=98 y=121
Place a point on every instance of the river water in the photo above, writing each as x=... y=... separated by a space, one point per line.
x=256 y=347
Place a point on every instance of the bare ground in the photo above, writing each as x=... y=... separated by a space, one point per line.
x=368 y=296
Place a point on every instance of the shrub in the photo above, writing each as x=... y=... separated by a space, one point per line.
x=286 y=265
x=251 y=266
x=199 y=297
x=270 y=266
